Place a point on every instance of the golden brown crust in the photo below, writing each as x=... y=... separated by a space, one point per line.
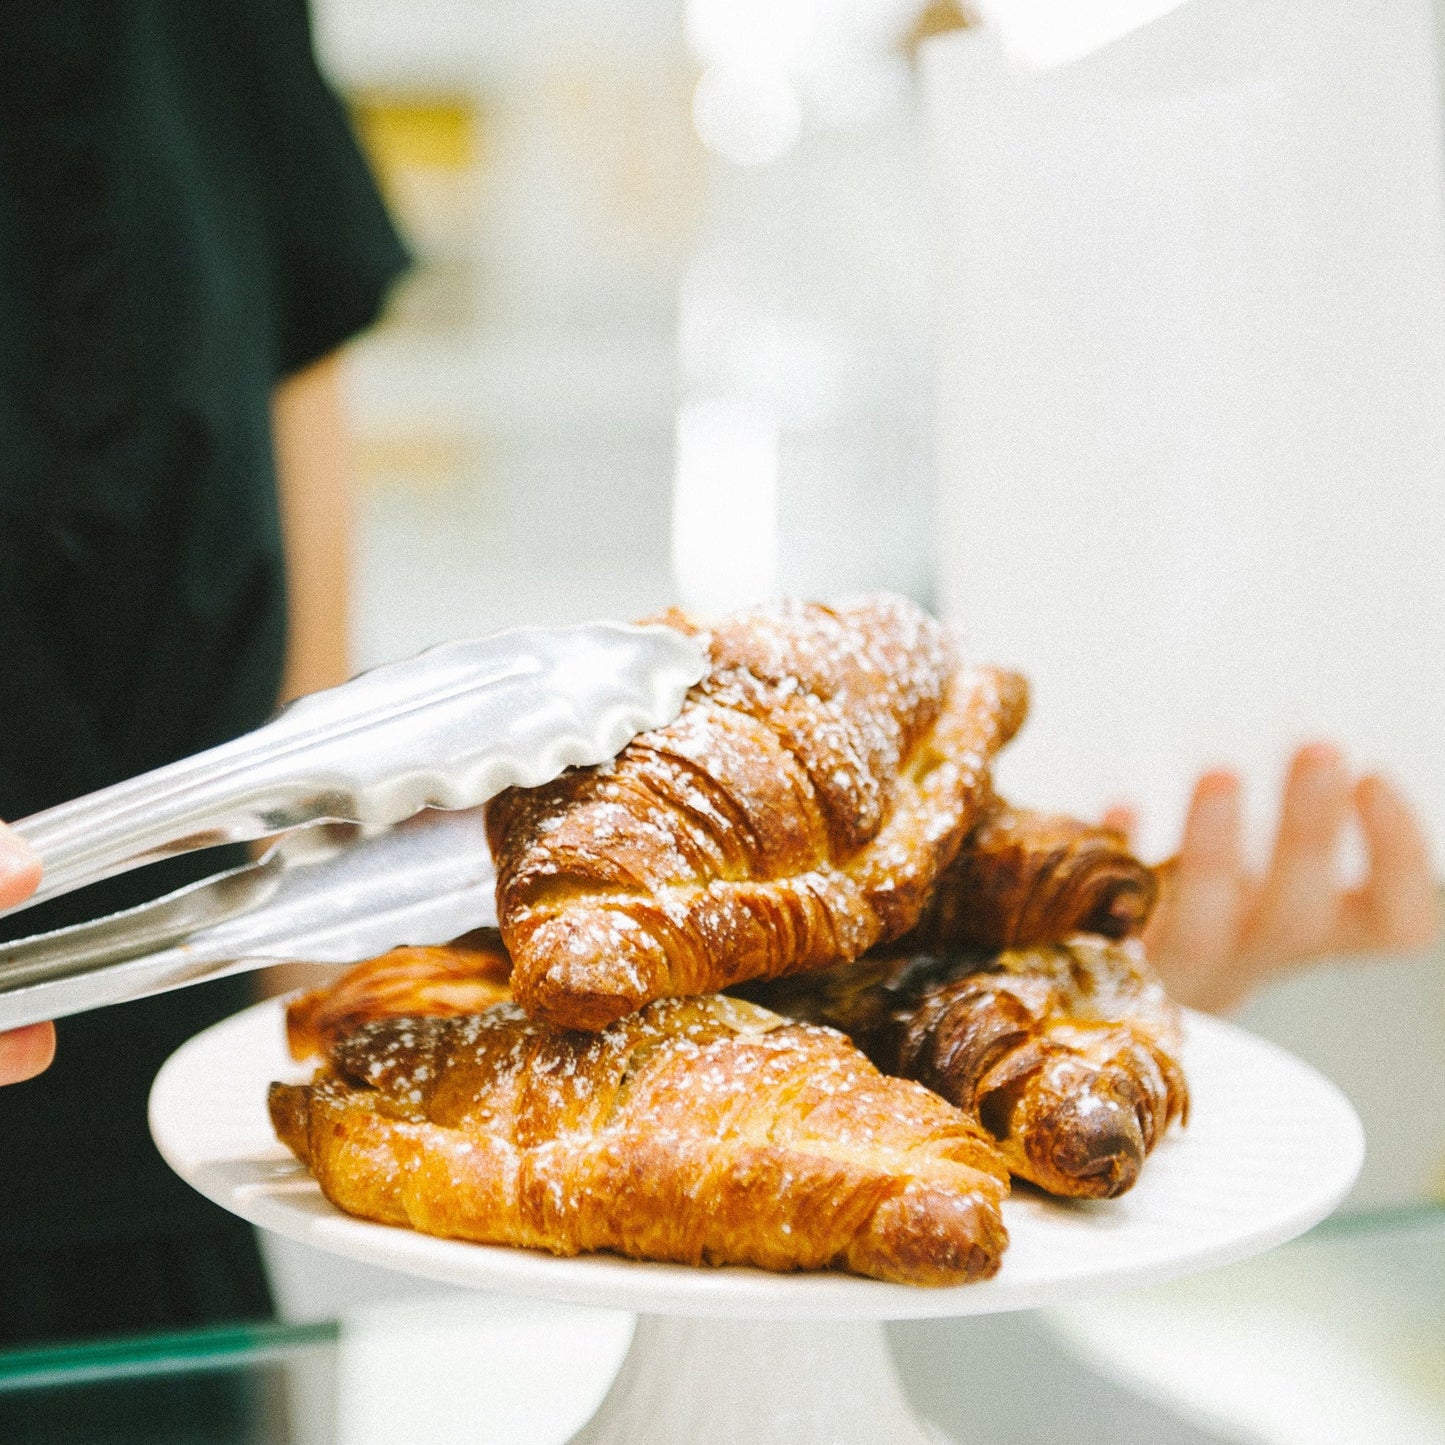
x=464 y=977
x=797 y=812
x=704 y=1130
x=1067 y=1055
x=1023 y=878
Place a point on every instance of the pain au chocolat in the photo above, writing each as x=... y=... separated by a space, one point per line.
x=797 y=812
x=701 y=1130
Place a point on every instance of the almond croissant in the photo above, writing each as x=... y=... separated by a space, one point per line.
x=798 y=812
x=1023 y=878
x=1067 y=1055
x=698 y=1130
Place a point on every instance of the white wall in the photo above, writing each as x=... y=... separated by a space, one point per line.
x=1192 y=396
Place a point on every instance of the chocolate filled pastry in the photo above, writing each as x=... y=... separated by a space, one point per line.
x=463 y=977
x=1023 y=878
x=703 y=1130
x=1067 y=1055
x=798 y=812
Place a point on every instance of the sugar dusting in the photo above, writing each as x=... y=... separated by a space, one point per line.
x=803 y=772
x=686 y=1089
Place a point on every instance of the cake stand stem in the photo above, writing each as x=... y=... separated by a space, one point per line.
x=763 y=1382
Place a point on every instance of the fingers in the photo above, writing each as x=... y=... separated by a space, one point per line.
x=1213 y=841
x=1194 y=936
x=1218 y=933
x=1298 y=912
x=1396 y=908
x=23 y=1052
x=26 y=1052
x=1122 y=819
x=19 y=869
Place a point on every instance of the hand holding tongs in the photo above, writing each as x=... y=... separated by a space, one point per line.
x=447 y=729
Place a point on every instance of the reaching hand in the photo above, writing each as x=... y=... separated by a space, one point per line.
x=1220 y=930
x=23 y=1052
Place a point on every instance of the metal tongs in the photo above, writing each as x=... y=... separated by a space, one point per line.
x=354 y=778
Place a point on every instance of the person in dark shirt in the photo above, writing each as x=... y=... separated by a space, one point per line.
x=188 y=233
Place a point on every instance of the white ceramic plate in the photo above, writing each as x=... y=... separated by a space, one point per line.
x=1270 y=1149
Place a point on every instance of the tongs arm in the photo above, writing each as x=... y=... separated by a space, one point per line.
x=315 y=897
x=446 y=729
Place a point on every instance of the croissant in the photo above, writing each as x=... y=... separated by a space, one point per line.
x=798 y=811
x=464 y=977
x=1023 y=878
x=1067 y=1055
x=698 y=1130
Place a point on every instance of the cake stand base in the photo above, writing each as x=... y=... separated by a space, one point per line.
x=756 y=1382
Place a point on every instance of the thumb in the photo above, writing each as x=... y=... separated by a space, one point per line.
x=26 y=1052
x=19 y=868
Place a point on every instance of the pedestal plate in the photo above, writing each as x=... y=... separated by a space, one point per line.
x=733 y=1355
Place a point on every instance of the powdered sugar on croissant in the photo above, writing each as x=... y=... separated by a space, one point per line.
x=699 y=1130
x=796 y=813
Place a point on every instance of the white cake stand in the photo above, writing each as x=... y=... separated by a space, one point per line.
x=734 y=1355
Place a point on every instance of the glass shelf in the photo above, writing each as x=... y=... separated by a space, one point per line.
x=1342 y=1326
x=139 y=1356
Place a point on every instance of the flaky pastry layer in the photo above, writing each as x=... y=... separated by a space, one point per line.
x=704 y=1130
x=463 y=977
x=1068 y=1054
x=798 y=811
x=1023 y=878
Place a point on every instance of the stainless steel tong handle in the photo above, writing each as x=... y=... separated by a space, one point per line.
x=446 y=729
x=315 y=897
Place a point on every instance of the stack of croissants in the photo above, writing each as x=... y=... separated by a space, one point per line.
x=785 y=984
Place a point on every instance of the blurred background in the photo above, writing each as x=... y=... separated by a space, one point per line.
x=654 y=239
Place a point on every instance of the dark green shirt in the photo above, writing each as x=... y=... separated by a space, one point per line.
x=184 y=219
